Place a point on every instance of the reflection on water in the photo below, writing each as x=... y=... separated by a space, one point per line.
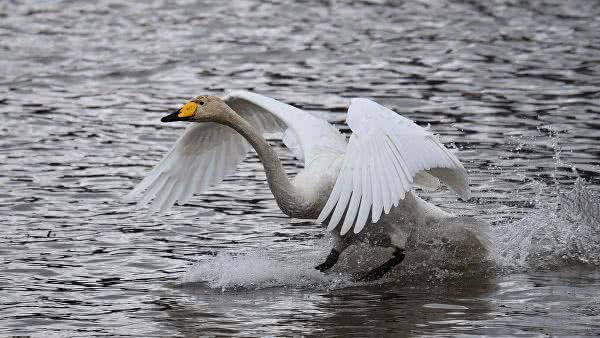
x=339 y=312
x=564 y=303
x=512 y=85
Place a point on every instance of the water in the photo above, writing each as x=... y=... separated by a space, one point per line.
x=512 y=85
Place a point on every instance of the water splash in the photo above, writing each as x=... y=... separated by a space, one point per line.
x=441 y=253
x=257 y=270
x=556 y=234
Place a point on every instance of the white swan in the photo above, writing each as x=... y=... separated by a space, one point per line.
x=374 y=173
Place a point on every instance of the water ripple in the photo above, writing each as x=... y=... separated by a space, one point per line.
x=512 y=85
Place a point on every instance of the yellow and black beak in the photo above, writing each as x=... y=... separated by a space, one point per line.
x=184 y=114
x=173 y=117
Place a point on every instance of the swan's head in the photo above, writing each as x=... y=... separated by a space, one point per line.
x=206 y=108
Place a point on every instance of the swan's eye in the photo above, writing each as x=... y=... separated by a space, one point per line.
x=188 y=109
x=201 y=103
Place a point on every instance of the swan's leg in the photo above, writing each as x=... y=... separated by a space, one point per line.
x=340 y=244
x=330 y=261
x=381 y=270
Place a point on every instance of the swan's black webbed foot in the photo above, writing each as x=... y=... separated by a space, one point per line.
x=381 y=270
x=330 y=261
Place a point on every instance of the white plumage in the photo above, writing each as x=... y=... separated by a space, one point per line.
x=207 y=152
x=385 y=153
x=385 y=157
x=343 y=183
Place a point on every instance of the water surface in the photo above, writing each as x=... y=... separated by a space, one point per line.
x=513 y=86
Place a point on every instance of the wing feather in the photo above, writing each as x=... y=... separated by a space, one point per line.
x=354 y=201
x=392 y=176
x=403 y=184
x=303 y=130
x=344 y=197
x=189 y=190
x=167 y=187
x=390 y=151
x=375 y=188
x=366 y=200
x=154 y=188
x=207 y=152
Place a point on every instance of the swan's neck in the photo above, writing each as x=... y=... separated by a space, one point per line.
x=288 y=200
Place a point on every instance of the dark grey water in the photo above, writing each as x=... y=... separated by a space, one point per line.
x=514 y=85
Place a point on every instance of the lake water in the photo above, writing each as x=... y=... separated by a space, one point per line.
x=513 y=86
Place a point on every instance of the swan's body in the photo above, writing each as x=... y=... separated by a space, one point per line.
x=374 y=173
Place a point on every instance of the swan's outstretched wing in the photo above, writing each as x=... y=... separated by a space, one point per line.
x=385 y=153
x=207 y=152
x=200 y=158
x=305 y=134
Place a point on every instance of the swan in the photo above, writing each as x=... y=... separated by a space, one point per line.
x=362 y=188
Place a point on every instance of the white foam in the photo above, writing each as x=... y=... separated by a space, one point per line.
x=258 y=269
x=556 y=234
